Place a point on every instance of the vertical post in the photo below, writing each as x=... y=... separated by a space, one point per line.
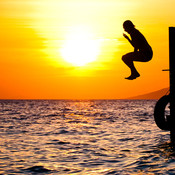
x=172 y=83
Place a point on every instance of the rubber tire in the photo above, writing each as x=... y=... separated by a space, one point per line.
x=159 y=113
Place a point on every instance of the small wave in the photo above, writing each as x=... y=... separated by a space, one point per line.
x=58 y=142
x=63 y=131
x=52 y=115
x=38 y=169
x=125 y=139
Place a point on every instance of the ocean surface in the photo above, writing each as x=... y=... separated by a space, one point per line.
x=90 y=137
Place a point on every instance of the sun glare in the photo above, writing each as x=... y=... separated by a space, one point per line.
x=80 y=47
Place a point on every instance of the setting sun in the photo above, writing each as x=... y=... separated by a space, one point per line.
x=80 y=48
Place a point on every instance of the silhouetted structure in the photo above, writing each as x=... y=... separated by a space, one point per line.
x=163 y=121
x=172 y=82
x=142 y=50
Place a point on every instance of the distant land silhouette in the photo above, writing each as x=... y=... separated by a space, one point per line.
x=152 y=95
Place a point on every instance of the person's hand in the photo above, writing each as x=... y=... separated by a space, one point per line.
x=126 y=36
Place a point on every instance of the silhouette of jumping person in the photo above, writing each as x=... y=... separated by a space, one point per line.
x=142 y=50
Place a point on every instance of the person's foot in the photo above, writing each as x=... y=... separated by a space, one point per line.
x=133 y=76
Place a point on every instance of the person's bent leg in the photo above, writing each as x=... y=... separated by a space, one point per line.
x=128 y=60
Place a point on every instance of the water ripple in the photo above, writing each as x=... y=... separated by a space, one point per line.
x=98 y=137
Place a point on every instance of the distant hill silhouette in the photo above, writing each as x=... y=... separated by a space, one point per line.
x=152 y=95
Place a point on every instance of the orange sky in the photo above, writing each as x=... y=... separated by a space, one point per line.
x=40 y=40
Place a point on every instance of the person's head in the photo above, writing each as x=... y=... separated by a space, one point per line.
x=128 y=26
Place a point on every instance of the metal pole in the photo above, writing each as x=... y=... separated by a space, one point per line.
x=172 y=83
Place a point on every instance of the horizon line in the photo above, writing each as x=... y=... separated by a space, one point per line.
x=79 y=99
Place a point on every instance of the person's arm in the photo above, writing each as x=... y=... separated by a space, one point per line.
x=130 y=41
x=127 y=37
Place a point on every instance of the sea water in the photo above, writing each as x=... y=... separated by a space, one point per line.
x=88 y=137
